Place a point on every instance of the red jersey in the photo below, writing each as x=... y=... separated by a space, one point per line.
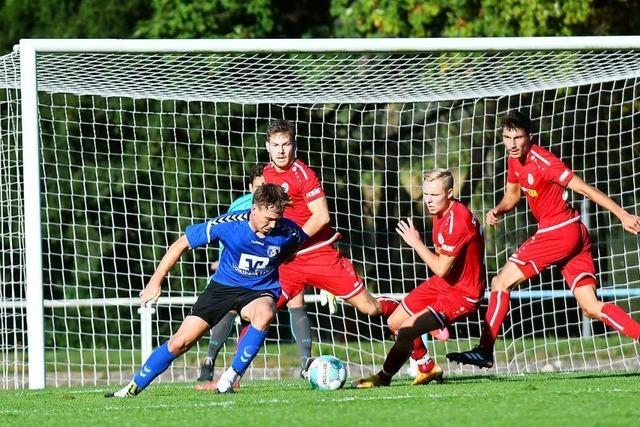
x=458 y=234
x=543 y=178
x=301 y=183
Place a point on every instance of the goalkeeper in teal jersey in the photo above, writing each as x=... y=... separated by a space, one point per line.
x=256 y=242
x=300 y=325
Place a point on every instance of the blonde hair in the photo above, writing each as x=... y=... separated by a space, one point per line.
x=440 y=173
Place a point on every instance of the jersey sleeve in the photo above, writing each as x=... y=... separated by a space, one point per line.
x=511 y=173
x=453 y=242
x=297 y=234
x=311 y=188
x=203 y=233
x=556 y=171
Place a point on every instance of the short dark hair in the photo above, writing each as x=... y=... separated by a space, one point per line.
x=271 y=196
x=255 y=171
x=280 y=126
x=515 y=119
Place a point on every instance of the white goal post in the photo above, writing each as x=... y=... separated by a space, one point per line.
x=110 y=148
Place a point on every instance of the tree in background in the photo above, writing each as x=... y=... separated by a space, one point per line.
x=312 y=18
x=461 y=18
x=69 y=18
x=237 y=19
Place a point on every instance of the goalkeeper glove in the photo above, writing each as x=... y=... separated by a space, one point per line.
x=330 y=299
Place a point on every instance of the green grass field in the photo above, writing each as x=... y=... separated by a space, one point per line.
x=587 y=399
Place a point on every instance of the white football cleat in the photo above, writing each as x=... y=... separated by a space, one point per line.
x=130 y=390
x=227 y=381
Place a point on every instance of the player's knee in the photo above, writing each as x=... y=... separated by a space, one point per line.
x=394 y=325
x=591 y=311
x=263 y=316
x=499 y=285
x=178 y=345
x=371 y=308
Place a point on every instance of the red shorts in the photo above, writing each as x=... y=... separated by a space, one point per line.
x=324 y=268
x=568 y=247
x=446 y=302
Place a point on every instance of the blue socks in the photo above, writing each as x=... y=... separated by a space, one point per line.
x=248 y=348
x=156 y=364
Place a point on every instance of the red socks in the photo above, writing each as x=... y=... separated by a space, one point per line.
x=419 y=350
x=616 y=318
x=421 y=355
x=496 y=312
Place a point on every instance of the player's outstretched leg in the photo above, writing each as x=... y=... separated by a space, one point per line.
x=156 y=364
x=609 y=313
x=219 y=334
x=192 y=328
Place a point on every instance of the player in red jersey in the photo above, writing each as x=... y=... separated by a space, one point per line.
x=318 y=263
x=561 y=239
x=455 y=290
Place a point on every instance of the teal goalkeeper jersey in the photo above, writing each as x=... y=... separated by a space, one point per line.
x=242 y=203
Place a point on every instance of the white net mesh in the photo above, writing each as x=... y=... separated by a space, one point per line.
x=135 y=147
x=13 y=355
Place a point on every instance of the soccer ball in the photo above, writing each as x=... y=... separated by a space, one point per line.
x=327 y=373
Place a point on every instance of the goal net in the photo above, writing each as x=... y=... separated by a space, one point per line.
x=134 y=146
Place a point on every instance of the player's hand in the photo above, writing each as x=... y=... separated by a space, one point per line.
x=408 y=232
x=631 y=223
x=214 y=265
x=492 y=217
x=150 y=293
x=330 y=299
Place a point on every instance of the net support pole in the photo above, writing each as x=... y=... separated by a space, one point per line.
x=32 y=220
x=586 y=322
x=146 y=332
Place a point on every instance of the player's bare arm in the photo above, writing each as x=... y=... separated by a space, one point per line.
x=152 y=291
x=509 y=201
x=319 y=216
x=439 y=264
x=630 y=222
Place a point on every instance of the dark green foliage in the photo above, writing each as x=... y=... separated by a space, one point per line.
x=69 y=18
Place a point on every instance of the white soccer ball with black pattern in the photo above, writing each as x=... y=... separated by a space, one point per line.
x=327 y=373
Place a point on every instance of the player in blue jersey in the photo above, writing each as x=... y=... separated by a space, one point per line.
x=256 y=242
x=300 y=325
x=221 y=331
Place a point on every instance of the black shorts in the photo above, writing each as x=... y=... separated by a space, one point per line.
x=217 y=300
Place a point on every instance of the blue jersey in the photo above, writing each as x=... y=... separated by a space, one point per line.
x=243 y=203
x=248 y=260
